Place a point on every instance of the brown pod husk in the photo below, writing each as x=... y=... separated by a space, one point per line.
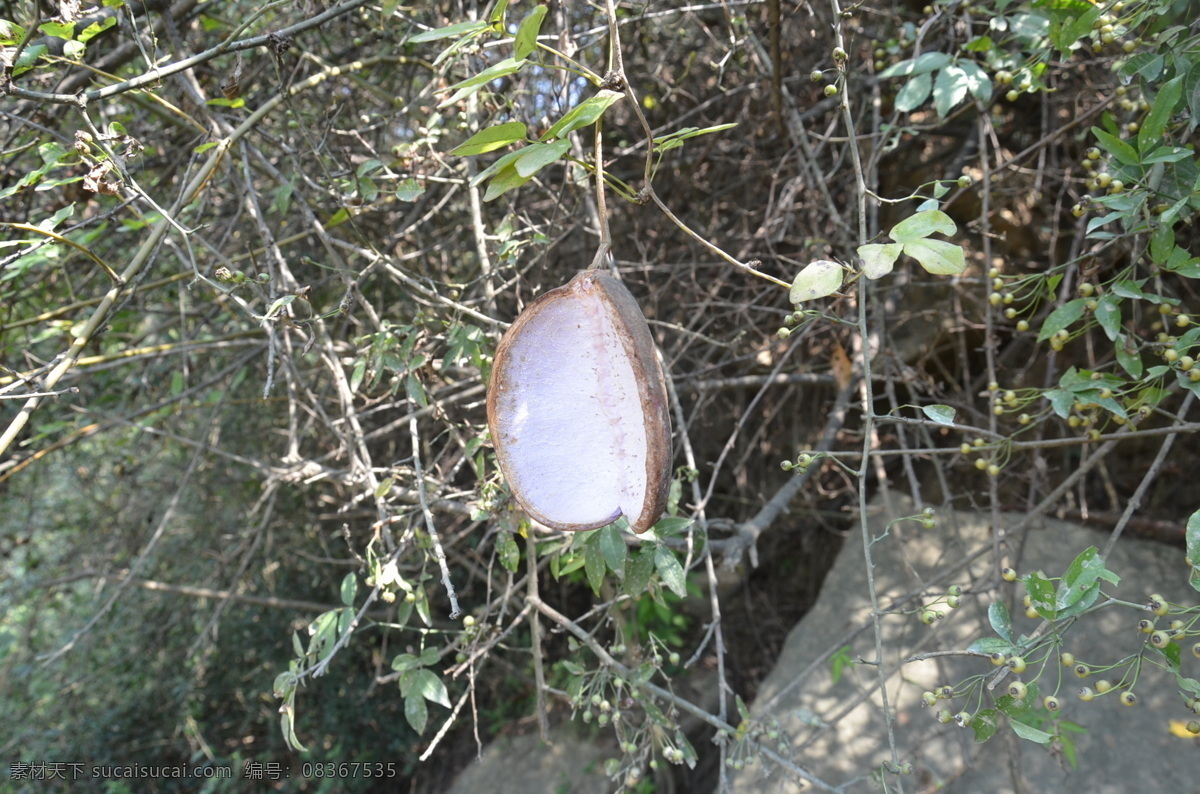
x=577 y=407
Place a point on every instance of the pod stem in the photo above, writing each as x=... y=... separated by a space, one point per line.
x=615 y=66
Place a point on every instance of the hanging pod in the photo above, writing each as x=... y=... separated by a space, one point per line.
x=577 y=408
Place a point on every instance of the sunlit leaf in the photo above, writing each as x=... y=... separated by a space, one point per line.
x=816 y=280
x=922 y=224
x=457 y=29
x=942 y=414
x=878 y=260
x=583 y=114
x=938 y=257
x=492 y=138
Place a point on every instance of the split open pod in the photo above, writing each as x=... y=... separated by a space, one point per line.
x=577 y=407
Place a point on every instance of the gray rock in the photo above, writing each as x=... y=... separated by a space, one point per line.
x=525 y=765
x=837 y=730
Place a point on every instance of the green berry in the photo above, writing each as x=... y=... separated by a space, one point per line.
x=1086 y=694
x=1016 y=664
x=1128 y=699
x=1052 y=703
x=831 y=90
x=1017 y=689
x=1067 y=659
x=1157 y=604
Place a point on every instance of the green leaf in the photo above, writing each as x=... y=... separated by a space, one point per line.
x=672 y=525
x=1061 y=401
x=1161 y=111
x=638 y=571
x=368 y=167
x=939 y=257
x=1001 y=620
x=1119 y=149
x=942 y=414
x=415 y=711
x=1029 y=732
x=508 y=179
x=1193 y=548
x=409 y=190
x=537 y=156
x=1147 y=64
x=1041 y=594
x=458 y=29
x=495 y=168
x=841 y=660
x=978 y=44
x=922 y=64
x=677 y=137
x=1162 y=243
x=1127 y=357
x=431 y=687
x=583 y=114
x=949 y=89
x=990 y=645
x=507 y=551
x=1083 y=572
x=277 y=305
x=472 y=84
x=743 y=712
x=593 y=563
x=1061 y=318
x=612 y=548
x=914 y=93
x=525 y=41
x=978 y=83
x=670 y=570
x=1066 y=36
x=288 y=723
x=492 y=138
x=921 y=225
x=415 y=390
x=29 y=56
x=349 y=588
x=405 y=662
x=984 y=725
x=817 y=280
x=878 y=260
x=61 y=30
x=1108 y=314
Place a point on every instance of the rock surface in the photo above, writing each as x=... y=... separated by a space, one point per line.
x=837 y=731
x=525 y=765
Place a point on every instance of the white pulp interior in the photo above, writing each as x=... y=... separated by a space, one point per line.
x=571 y=416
